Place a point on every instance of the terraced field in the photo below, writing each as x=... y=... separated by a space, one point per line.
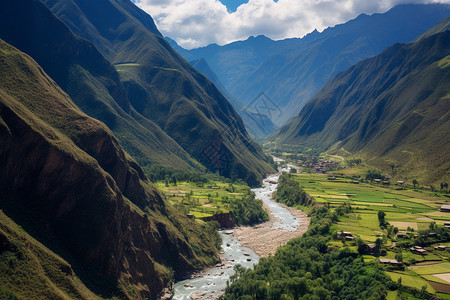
x=403 y=208
x=410 y=211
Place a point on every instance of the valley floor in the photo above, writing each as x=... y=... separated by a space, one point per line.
x=257 y=237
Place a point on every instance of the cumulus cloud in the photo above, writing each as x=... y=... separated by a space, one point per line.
x=195 y=23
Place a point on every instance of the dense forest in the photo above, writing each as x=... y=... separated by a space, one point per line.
x=306 y=268
x=290 y=193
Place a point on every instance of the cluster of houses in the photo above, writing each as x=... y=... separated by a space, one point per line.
x=421 y=251
x=374 y=249
x=405 y=236
x=347 y=235
x=383 y=182
x=418 y=250
x=392 y=262
x=320 y=167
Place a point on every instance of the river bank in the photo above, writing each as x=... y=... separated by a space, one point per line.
x=257 y=237
x=246 y=244
x=210 y=283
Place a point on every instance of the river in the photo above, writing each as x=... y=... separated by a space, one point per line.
x=211 y=283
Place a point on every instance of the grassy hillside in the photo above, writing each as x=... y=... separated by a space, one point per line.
x=78 y=214
x=390 y=109
x=163 y=88
x=90 y=80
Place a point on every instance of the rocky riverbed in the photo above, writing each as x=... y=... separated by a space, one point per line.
x=245 y=245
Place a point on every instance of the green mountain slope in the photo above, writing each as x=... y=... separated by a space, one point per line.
x=442 y=26
x=78 y=216
x=90 y=80
x=164 y=88
x=393 y=108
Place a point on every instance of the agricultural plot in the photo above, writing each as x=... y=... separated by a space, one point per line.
x=411 y=280
x=202 y=200
x=405 y=209
x=433 y=269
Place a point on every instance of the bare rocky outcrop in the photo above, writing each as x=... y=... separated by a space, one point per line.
x=224 y=219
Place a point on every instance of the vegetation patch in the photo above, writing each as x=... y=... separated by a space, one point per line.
x=205 y=198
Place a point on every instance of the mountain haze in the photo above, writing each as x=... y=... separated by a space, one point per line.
x=291 y=71
x=258 y=124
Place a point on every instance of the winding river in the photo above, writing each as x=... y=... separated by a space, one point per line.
x=211 y=283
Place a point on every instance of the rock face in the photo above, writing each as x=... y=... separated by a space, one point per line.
x=224 y=220
x=70 y=170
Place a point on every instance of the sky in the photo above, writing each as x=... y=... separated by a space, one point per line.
x=197 y=23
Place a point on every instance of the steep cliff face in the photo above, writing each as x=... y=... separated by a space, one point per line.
x=96 y=201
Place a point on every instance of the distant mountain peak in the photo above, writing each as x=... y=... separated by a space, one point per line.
x=291 y=71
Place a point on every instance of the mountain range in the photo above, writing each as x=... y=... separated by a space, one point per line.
x=78 y=217
x=257 y=123
x=291 y=71
x=389 y=110
x=94 y=101
x=163 y=111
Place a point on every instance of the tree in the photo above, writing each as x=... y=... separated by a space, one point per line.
x=360 y=245
x=173 y=180
x=381 y=218
x=393 y=168
x=415 y=182
x=432 y=226
x=293 y=170
x=379 y=243
x=424 y=289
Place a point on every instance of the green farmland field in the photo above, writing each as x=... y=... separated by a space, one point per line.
x=403 y=208
x=409 y=211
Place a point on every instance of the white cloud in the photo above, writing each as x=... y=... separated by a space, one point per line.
x=195 y=23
